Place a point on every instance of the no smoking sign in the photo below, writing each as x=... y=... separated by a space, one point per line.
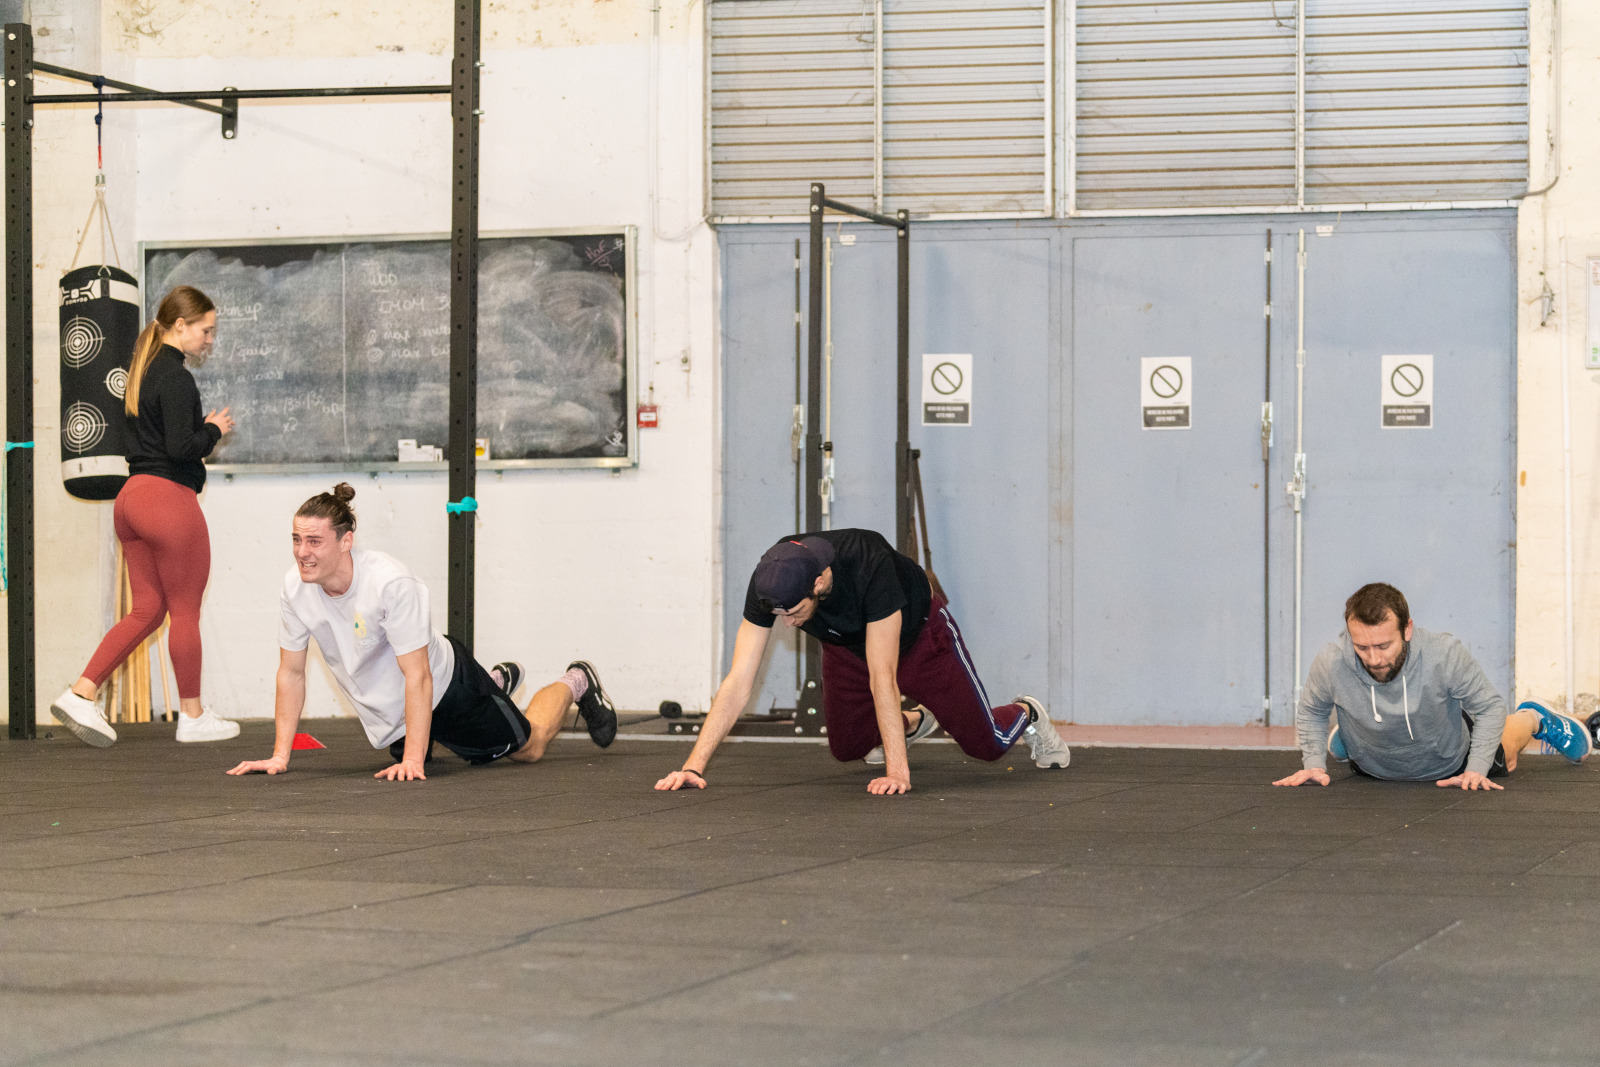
x=1165 y=392
x=1407 y=392
x=946 y=390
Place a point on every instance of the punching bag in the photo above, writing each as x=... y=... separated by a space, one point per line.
x=99 y=324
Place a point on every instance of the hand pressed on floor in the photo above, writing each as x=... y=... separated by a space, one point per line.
x=1308 y=774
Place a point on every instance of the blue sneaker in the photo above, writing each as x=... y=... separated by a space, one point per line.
x=1336 y=747
x=1565 y=735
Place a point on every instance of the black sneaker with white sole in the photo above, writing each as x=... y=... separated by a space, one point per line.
x=596 y=708
x=398 y=751
x=507 y=676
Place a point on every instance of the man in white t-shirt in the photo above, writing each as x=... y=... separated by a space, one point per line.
x=410 y=685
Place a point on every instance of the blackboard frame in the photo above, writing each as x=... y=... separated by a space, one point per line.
x=631 y=358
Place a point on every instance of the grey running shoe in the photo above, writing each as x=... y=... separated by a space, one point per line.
x=1046 y=745
x=598 y=713
x=927 y=725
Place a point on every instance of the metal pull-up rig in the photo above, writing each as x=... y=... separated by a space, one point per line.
x=20 y=100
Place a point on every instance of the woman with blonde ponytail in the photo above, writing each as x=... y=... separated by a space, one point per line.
x=158 y=518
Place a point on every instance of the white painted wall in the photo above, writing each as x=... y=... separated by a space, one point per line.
x=1564 y=146
x=617 y=568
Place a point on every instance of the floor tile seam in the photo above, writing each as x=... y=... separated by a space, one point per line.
x=1558 y=852
x=1357 y=840
x=769 y=960
x=118 y=859
x=260 y=1002
x=128 y=826
x=630 y=815
x=721 y=837
x=528 y=936
x=255 y=836
x=1079 y=961
x=1184 y=916
x=287 y=920
x=174 y=1024
x=1451 y=925
x=513 y=942
x=232 y=881
x=222 y=1052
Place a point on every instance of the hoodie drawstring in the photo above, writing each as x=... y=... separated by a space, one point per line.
x=1405 y=702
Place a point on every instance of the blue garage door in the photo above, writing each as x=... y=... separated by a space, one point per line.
x=1118 y=571
x=1167 y=545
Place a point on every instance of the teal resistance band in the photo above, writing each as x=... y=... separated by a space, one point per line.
x=466 y=503
x=4 y=542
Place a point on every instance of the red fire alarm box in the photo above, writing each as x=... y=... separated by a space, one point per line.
x=649 y=416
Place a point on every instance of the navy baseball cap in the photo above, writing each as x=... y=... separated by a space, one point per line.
x=788 y=571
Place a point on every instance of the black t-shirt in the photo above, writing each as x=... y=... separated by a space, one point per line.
x=871 y=581
x=170 y=436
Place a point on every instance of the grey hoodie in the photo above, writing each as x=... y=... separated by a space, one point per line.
x=1408 y=728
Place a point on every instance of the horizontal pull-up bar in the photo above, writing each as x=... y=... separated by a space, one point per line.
x=150 y=95
x=898 y=219
x=96 y=79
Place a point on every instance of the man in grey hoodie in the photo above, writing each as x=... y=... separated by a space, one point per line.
x=1413 y=705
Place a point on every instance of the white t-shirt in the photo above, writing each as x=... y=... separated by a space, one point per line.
x=382 y=615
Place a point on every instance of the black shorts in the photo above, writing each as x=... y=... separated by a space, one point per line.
x=475 y=719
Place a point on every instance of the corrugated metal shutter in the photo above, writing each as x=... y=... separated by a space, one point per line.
x=964 y=106
x=791 y=103
x=1421 y=101
x=964 y=109
x=1185 y=104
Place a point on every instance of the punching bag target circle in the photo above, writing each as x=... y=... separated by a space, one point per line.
x=100 y=311
x=81 y=341
x=84 y=427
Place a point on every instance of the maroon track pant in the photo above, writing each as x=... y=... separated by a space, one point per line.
x=168 y=549
x=936 y=672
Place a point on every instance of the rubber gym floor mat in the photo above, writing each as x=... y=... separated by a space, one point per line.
x=1140 y=907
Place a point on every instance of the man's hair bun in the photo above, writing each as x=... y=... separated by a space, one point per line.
x=334 y=506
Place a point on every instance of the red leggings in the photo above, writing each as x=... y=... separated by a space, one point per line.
x=168 y=549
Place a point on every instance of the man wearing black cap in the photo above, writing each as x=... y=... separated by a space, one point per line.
x=883 y=632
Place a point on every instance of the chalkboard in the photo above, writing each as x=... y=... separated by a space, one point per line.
x=329 y=352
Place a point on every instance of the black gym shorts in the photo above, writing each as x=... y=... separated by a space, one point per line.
x=475 y=719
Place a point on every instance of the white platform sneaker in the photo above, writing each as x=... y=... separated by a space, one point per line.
x=209 y=726
x=1046 y=745
x=83 y=718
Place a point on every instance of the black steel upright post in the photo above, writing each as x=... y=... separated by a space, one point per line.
x=902 y=441
x=19 y=378
x=808 y=713
x=464 y=114
x=814 y=368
